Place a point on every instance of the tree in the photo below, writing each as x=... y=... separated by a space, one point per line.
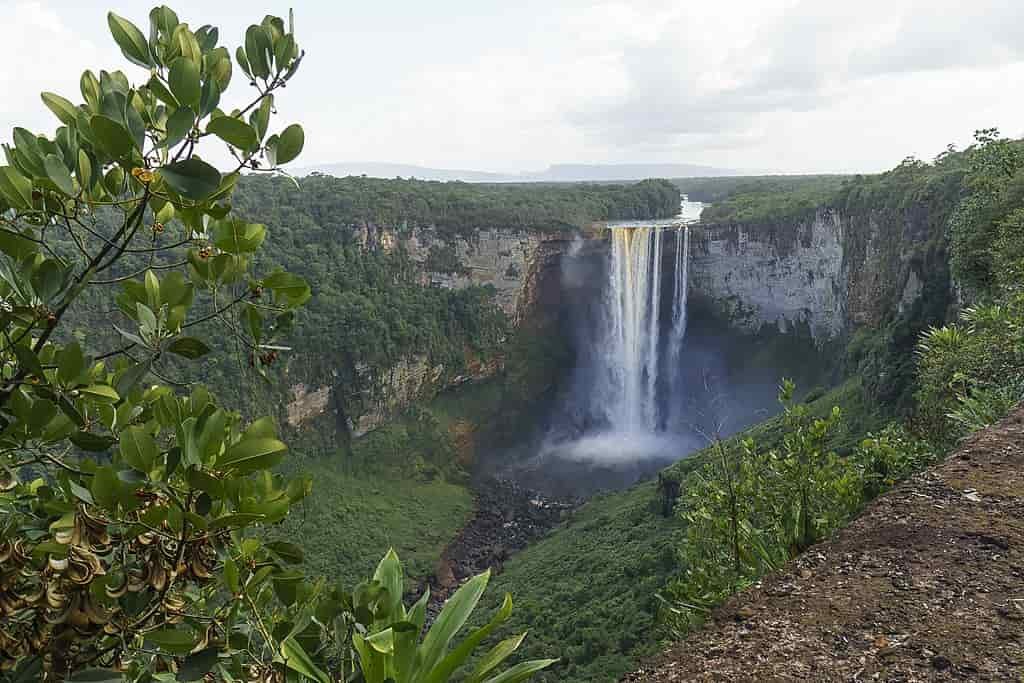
x=125 y=498
x=131 y=503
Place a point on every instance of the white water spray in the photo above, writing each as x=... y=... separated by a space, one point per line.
x=633 y=352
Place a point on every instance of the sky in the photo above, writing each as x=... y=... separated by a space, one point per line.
x=785 y=86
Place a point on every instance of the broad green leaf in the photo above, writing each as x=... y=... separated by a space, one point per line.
x=252 y=454
x=289 y=552
x=257 y=50
x=162 y=92
x=233 y=131
x=62 y=108
x=130 y=39
x=28 y=361
x=177 y=641
x=189 y=347
x=262 y=428
x=184 y=82
x=462 y=652
x=522 y=672
x=290 y=143
x=231 y=579
x=290 y=288
x=296 y=659
x=84 y=169
x=451 y=619
x=101 y=392
x=105 y=487
x=15 y=188
x=139 y=449
x=389 y=575
x=179 y=124
x=90 y=88
x=112 y=136
x=498 y=654
x=192 y=178
x=59 y=174
x=70 y=363
x=238 y=237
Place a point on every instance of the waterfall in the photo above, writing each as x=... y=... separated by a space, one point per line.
x=632 y=350
x=680 y=293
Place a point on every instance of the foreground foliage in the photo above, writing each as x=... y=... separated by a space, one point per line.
x=131 y=504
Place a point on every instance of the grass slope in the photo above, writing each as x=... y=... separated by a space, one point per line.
x=351 y=520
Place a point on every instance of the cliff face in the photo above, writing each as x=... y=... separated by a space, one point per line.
x=522 y=267
x=832 y=272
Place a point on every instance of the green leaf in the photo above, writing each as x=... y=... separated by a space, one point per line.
x=192 y=178
x=105 y=487
x=231 y=579
x=101 y=392
x=28 y=361
x=233 y=131
x=184 y=82
x=58 y=173
x=289 y=552
x=451 y=619
x=62 y=108
x=15 y=188
x=257 y=49
x=498 y=654
x=89 y=441
x=296 y=659
x=131 y=377
x=179 y=124
x=290 y=288
x=130 y=39
x=197 y=665
x=139 y=449
x=70 y=363
x=189 y=347
x=112 y=136
x=460 y=654
x=522 y=671
x=96 y=676
x=177 y=641
x=289 y=143
x=162 y=93
x=238 y=237
x=389 y=575
x=252 y=454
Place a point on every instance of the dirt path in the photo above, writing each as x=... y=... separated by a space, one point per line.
x=926 y=585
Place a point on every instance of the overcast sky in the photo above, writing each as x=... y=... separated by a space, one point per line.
x=500 y=85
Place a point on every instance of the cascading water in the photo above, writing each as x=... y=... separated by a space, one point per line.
x=623 y=412
x=633 y=355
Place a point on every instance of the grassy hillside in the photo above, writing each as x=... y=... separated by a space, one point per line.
x=351 y=520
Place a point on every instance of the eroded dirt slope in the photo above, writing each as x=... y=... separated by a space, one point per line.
x=926 y=585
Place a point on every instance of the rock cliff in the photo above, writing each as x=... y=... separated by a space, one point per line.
x=834 y=271
x=520 y=265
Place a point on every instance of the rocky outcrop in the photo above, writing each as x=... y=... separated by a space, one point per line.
x=520 y=265
x=773 y=275
x=833 y=271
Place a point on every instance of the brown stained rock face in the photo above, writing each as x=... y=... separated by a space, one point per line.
x=926 y=585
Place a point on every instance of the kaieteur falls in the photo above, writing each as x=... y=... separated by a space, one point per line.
x=623 y=411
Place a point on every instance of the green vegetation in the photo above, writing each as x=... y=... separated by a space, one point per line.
x=135 y=509
x=760 y=199
x=455 y=209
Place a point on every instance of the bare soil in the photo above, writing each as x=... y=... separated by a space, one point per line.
x=926 y=585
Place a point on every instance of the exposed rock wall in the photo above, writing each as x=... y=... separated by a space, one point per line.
x=773 y=275
x=517 y=263
x=833 y=272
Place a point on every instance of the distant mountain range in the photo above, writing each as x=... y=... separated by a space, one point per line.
x=558 y=173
